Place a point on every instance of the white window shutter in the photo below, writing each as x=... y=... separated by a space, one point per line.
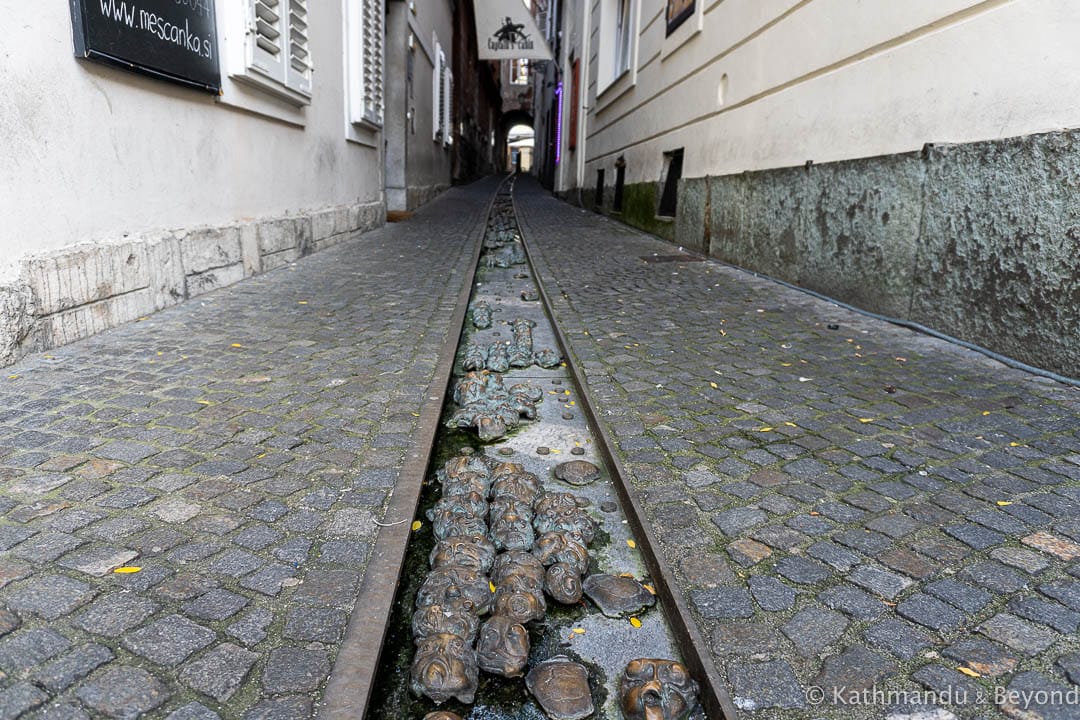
x=373 y=61
x=267 y=36
x=448 y=110
x=298 y=71
x=436 y=94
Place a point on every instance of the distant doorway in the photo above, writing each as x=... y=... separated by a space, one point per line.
x=520 y=141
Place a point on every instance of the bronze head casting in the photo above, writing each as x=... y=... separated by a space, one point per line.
x=561 y=686
x=445 y=667
x=655 y=689
x=562 y=584
x=469 y=551
x=436 y=620
x=503 y=647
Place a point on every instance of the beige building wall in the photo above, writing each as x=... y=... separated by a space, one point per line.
x=757 y=84
x=121 y=194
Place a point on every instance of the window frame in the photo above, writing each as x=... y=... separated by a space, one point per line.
x=366 y=57
x=277 y=76
x=617 y=54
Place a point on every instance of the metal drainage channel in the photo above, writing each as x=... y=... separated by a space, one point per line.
x=564 y=429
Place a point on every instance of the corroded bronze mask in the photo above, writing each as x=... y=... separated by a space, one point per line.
x=562 y=584
x=437 y=620
x=445 y=667
x=561 y=547
x=655 y=689
x=454 y=587
x=469 y=551
x=517 y=562
x=503 y=647
x=522 y=607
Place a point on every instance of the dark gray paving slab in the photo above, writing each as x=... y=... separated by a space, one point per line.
x=237 y=450
x=889 y=478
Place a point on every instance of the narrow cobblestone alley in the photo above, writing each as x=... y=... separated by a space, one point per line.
x=847 y=506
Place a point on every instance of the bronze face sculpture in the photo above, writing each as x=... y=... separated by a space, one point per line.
x=502 y=647
x=447 y=523
x=497 y=358
x=616 y=595
x=442 y=715
x=562 y=584
x=547 y=358
x=452 y=586
x=467 y=483
x=436 y=620
x=561 y=547
x=655 y=689
x=507 y=505
x=471 y=503
x=506 y=468
x=561 y=686
x=515 y=487
x=475 y=552
x=445 y=667
x=517 y=562
x=524 y=581
x=574 y=521
x=554 y=503
x=522 y=607
x=464 y=464
x=512 y=532
x=481 y=315
x=474 y=357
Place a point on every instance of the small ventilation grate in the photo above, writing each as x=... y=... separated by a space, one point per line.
x=671 y=258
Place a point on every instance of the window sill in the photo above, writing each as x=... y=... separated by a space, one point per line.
x=615 y=89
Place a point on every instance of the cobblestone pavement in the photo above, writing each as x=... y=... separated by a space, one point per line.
x=849 y=507
x=238 y=450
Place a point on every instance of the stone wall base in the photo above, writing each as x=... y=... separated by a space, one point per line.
x=418 y=195
x=979 y=241
x=64 y=295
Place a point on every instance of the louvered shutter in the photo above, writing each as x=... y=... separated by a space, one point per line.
x=436 y=93
x=298 y=72
x=448 y=106
x=267 y=34
x=373 y=61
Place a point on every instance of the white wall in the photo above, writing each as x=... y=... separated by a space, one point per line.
x=93 y=152
x=827 y=80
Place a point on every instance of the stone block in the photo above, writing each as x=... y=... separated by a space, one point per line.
x=323 y=224
x=201 y=283
x=86 y=273
x=166 y=270
x=17 y=310
x=249 y=249
x=691 y=230
x=210 y=248
x=276 y=235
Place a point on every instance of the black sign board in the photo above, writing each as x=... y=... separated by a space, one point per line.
x=171 y=39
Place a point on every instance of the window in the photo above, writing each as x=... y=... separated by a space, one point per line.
x=519 y=72
x=365 y=55
x=278 y=55
x=616 y=47
x=442 y=99
x=669 y=197
x=622 y=37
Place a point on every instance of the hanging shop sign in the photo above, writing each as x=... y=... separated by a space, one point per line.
x=678 y=11
x=174 y=40
x=505 y=30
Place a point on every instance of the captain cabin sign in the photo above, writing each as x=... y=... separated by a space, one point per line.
x=505 y=30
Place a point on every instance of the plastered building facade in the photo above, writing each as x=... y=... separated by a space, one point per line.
x=917 y=159
x=122 y=193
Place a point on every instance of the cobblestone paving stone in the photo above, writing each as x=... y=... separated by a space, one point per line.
x=237 y=449
x=845 y=503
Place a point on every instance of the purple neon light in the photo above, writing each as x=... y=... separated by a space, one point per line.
x=558 y=124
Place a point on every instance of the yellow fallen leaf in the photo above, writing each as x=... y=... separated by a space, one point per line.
x=126 y=570
x=765 y=429
x=12 y=377
x=790 y=424
x=1004 y=503
x=141 y=319
x=203 y=402
x=785 y=364
x=986 y=412
x=723 y=332
x=491 y=586
x=650 y=588
x=238 y=345
x=416 y=414
x=631 y=543
x=626 y=575
x=301 y=302
x=579 y=631
x=866 y=420
x=416 y=525
x=968 y=671
x=1014 y=444
x=714 y=385
x=635 y=622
